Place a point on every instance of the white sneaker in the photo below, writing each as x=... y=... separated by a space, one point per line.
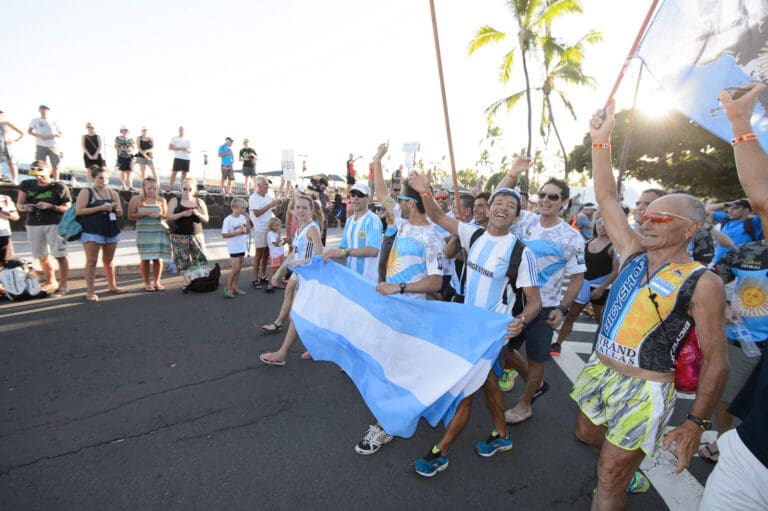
x=374 y=438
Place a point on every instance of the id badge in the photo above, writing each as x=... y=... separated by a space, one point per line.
x=112 y=216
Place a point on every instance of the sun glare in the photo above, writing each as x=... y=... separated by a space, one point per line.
x=656 y=104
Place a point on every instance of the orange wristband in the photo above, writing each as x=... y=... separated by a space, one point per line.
x=743 y=138
x=601 y=146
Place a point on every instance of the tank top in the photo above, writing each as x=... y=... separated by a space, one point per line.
x=645 y=323
x=187 y=224
x=145 y=145
x=303 y=247
x=598 y=264
x=103 y=222
x=92 y=143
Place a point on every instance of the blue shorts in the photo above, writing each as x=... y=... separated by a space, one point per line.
x=249 y=171
x=586 y=290
x=98 y=238
x=537 y=337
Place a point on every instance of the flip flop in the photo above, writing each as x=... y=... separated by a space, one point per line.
x=256 y=284
x=94 y=298
x=542 y=390
x=118 y=291
x=272 y=328
x=306 y=356
x=269 y=359
x=514 y=419
x=149 y=289
x=710 y=453
x=159 y=288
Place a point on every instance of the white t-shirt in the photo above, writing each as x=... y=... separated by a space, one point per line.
x=177 y=141
x=44 y=128
x=235 y=244
x=416 y=255
x=487 y=265
x=256 y=201
x=7 y=205
x=274 y=251
x=559 y=250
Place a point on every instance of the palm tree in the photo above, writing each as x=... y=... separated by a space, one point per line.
x=532 y=17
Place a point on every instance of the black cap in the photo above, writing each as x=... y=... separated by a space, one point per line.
x=744 y=203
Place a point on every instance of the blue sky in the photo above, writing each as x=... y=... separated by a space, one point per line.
x=322 y=78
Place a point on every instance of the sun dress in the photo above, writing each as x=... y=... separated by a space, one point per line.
x=151 y=235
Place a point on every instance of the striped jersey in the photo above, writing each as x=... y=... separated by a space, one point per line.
x=303 y=248
x=486 y=268
x=416 y=254
x=365 y=232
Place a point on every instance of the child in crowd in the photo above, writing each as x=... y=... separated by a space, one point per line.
x=276 y=251
x=235 y=230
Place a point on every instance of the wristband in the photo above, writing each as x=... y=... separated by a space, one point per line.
x=343 y=252
x=428 y=193
x=704 y=424
x=743 y=138
x=606 y=145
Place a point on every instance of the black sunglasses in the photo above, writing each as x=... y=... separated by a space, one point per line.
x=356 y=193
x=550 y=196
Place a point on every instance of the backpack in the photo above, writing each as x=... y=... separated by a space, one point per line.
x=749 y=228
x=69 y=226
x=205 y=284
x=514 y=264
x=20 y=281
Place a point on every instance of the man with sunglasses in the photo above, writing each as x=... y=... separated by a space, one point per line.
x=488 y=260
x=388 y=226
x=559 y=250
x=413 y=267
x=361 y=239
x=626 y=391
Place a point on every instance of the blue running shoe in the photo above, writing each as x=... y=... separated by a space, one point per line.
x=639 y=483
x=431 y=464
x=494 y=444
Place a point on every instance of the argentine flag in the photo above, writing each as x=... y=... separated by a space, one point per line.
x=408 y=358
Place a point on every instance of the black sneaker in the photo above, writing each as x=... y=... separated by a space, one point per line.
x=555 y=349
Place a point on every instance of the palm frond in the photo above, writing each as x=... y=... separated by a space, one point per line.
x=567 y=104
x=484 y=36
x=508 y=102
x=505 y=69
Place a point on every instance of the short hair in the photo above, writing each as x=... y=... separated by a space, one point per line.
x=466 y=200
x=694 y=208
x=407 y=191
x=239 y=202
x=262 y=180
x=507 y=192
x=483 y=195
x=657 y=191
x=565 y=190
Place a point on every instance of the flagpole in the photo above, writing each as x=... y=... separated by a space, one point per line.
x=632 y=51
x=445 y=103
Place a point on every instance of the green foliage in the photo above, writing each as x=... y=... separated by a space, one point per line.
x=467 y=178
x=672 y=150
x=494 y=180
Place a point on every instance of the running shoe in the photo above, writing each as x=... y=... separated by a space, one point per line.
x=228 y=293
x=639 y=483
x=494 y=444
x=431 y=464
x=555 y=349
x=240 y=292
x=374 y=438
x=507 y=380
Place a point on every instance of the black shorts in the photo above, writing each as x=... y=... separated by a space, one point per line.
x=124 y=163
x=180 y=165
x=350 y=180
x=239 y=254
x=6 y=249
x=90 y=163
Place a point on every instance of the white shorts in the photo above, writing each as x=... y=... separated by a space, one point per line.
x=260 y=239
x=739 y=480
x=43 y=237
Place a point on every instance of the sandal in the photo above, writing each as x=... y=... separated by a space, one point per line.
x=709 y=453
x=269 y=359
x=92 y=298
x=306 y=356
x=159 y=288
x=256 y=284
x=118 y=291
x=149 y=289
x=272 y=328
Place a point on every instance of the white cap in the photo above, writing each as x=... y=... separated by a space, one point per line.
x=362 y=188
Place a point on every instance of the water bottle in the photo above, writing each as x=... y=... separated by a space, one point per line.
x=748 y=345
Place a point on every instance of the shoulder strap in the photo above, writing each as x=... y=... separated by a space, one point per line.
x=475 y=235
x=514 y=264
x=749 y=228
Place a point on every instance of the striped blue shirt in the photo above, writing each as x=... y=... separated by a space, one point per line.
x=365 y=232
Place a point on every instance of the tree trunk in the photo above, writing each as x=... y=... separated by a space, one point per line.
x=557 y=134
x=527 y=98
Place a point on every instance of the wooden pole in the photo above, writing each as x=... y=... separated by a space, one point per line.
x=454 y=175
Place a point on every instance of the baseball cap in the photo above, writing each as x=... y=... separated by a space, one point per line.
x=44 y=106
x=744 y=203
x=246 y=140
x=123 y=128
x=589 y=205
x=362 y=188
x=228 y=139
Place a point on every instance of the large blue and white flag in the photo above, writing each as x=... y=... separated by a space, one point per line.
x=696 y=48
x=408 y=358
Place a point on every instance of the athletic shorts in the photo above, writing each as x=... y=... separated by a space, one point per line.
x=99 y=239
x=124 y=163
x=635 y=410
x=227 y=173
x=740 y=367
x=586 y=289
x=143 y=161
x=239 y=254
x=537 y=337
x=45 y=237
x=260 y=239
x=6 y=249
x=180 y=165
x=42 y=152
x=249 y=171
x=350 y=180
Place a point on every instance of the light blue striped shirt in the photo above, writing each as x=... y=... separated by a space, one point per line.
x=365 y=232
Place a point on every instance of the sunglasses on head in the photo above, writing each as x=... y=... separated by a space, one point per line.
x=401 y=198
x=356 y=193
x=551 y=196
x=660 y=217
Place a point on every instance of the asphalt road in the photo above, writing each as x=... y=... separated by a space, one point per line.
x=159 y=401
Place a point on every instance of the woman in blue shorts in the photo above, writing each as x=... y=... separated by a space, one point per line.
x=98 y=208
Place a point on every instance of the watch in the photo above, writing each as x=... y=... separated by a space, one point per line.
x=402 y=287
x=704 y=424
x=563 y=309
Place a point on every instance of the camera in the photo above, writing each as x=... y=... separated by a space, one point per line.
x=316 y=181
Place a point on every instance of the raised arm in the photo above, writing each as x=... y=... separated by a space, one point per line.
x=751 y=159
x=421 y=183
x=381 y=186
x=623 y=237
x=520 y=165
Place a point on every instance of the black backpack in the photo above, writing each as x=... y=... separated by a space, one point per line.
x=205 y=284
x=514 y=264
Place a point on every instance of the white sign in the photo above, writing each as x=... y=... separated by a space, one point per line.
x=289 y=165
